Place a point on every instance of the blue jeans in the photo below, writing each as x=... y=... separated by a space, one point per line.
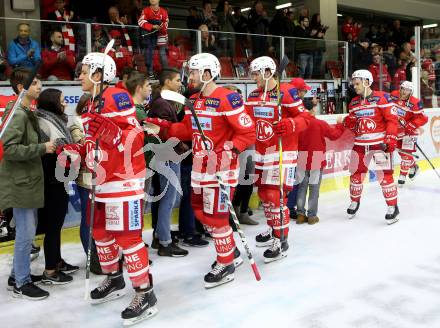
x=150 y=43
x=25 y=228
x=187 y=219
x=161 y=210
x=305 y=62
x=84 y=228
x=311 y=181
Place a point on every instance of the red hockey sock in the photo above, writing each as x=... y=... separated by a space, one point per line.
x=224 y=244
x=389 y=190
x=356 y=188
x=108 y=254
x=277 y=226
x=136 y=258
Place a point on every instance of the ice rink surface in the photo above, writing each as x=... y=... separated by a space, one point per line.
x=339 y=273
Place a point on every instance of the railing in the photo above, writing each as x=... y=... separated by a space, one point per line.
x=310 y=58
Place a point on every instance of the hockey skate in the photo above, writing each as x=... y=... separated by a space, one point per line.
x=111 y=288
x=401 y=181
x=352 y=209
x=237 y=259
x=219 y=275
x=277 y=251
x=265 y=238
x=142 y=307
x=392 y=214
x=413 y=172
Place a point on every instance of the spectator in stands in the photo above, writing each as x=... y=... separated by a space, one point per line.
x=208 y=40
x=348 y=29
x=154 y=23
x=240 y=26
x=390 y=58
x=311 y=162
x=161 y=210
x=122 y=57
x=383 y=36
x=53 y=127
x=304 y=48
x=361 y=56
x=99 y=39
x=317 y=31
x=258 y=24
x=63 y=14
x=125 y=74
x=399 y=74
x=193 y=21
x=373 y=34
x=381 y=77
x=22 y=182
x=58 y=61
x=226 y=23
x=397 y=34
x=23 y=51
x=115 y=19
x=281 y=24
x=208 y=16
x=406 y=54
x=3 y=65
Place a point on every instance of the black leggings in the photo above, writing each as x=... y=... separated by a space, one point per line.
x=51 y=217
x=242 y=196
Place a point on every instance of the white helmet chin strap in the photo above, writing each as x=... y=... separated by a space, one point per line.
x=266 y=82
x=205 y=83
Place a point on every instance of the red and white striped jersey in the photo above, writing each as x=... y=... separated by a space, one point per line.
x=264 y=112
x=376 y=117
x=226 y=125
x=409 y=111
x=121 y=170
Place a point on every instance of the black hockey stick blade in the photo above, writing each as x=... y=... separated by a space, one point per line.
x=283 y=65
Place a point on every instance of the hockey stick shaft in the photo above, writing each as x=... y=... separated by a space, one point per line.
x=7 y=119
x=93 y=190
x=169 y=95
x=283 y=64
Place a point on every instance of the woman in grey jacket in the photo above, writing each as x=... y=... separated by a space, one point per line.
x=21 y=182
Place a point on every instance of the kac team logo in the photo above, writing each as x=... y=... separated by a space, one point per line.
x=264 y=130
x=365 y=125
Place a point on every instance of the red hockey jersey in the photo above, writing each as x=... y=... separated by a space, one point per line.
x=150 y=17
x=409 y=112
x=121 y=170
x=376 y=117
x=265 y=112
x=226 y=125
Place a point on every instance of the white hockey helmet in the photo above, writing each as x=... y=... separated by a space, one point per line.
x=205 y=61
x=261 y=64
x=407 y=85
x=96 y=60
x=363 y=74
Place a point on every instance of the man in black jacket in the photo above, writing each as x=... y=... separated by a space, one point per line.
x=304 y=48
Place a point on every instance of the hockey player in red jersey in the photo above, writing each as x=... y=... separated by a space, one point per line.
x=111 y=119
x=373 y=119
x=262 y=105
x=229 y=130
x=411 y=118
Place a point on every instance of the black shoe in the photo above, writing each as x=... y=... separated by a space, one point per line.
x=265 y=238
x=142 y=307
x=67 y=268
x=111 y=288
x=220 y=274
x=237 y=259
x=292 y=213
x=250 y=212
x=195 y=241
x=172 y=250
x=95 y=266
x=30 y=292
x=36 y=280
x=155 y=243
x=57 y=278
x=277 y=251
